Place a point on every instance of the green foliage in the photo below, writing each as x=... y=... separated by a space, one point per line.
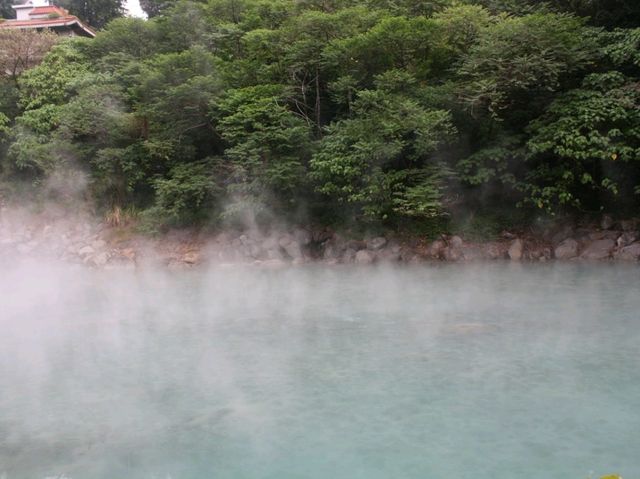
x=96 y=13
x=519 y=62
x=267 y=145
x=589 y=131
x=378 y=160
x=188 y=193
x=398 y=113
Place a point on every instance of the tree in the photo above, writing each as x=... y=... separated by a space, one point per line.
x=586 y=147
x=5 y=9
x=23 y=49
x=380 y=159
x=153 y=8
x=519 y=62
x=96 y=13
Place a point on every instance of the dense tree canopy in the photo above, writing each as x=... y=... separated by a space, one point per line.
x=390 y=113
x=96 y=13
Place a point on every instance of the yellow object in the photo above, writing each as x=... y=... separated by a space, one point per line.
x=614 y=157
x=611 y=477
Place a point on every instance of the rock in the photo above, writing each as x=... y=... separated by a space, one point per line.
x=98 y=244
x=191 y=257
x=453 y=253
x=376 y=243
x=456 y=242
x=437 y=248
x=607 y=222
x=626 y=238
x=600 y=235
x=516 y=250
x=390 y=255
x=99 y=260
x=330 y=252
x=629 y=253
x=86 y=251
x=629 y=225
x=364 y=257
x=293 y=249
x=302 y=236
x=284 y=240
x=495 y=250
x=472 y=252
x=349 y=255
x=120 y=264
x=598 y=250
x=567 y=249
x=563 y=234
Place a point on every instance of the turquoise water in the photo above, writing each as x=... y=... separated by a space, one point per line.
x=483 y=372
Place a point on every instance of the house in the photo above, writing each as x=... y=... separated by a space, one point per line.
x=41 y=15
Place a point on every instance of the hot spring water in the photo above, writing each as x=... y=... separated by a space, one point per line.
x=481 y=372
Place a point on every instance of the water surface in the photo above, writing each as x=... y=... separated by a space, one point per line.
x=483 y=372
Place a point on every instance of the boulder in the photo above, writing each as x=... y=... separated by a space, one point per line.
x=453 y=253
x=630 y=225
x=302 y=236
x=567 y=249
x=98 y=244
x=516 y=250
x=99 y=259
x=600 y=235
x=629 y=253
x=349 y=255
x=364 y=257
x=456 y=242
x=191 y=257
x=607 y=222
x=376 y=243
x=86 y=251
x=598 y=250
x=436 y=250
x=627 y=238
x=293 y=249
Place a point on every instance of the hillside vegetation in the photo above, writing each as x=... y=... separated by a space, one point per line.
x=404 y=114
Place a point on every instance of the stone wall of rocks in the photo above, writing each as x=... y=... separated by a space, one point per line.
x=97 y=245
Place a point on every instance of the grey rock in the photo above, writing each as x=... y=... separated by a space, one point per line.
x=437 y=248
x=629 y=225
x=567 y=249
x=627 y=238
x=191 y=257
x=376 y=243
x=629 y=253
x=494 y=251
x=516 y=250
x=100 y=259
x=364 y=257
x=98 y=244
x=302 y=236
x=607 y=222
x=598 y=250
x=453 y=254
x=293 y=250
x=456 y=242
x=86 y=251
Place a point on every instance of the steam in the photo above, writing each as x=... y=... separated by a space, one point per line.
x=153 y=373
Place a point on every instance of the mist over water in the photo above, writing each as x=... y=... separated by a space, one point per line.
x=491 y=371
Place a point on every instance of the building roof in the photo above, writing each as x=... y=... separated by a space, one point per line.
x=49 y=10
x=63 y=20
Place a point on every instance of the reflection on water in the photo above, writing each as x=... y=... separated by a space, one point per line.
x=484 y=372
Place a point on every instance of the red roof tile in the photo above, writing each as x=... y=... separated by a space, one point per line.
x=63 y=21
x=50 y=10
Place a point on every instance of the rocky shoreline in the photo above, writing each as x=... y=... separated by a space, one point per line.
x=99 y=245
